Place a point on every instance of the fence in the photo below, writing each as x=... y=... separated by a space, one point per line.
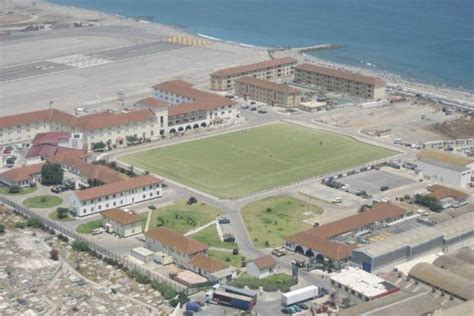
x=153 y=275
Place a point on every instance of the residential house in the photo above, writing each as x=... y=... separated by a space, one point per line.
x=261 y=267
x=121 y=222
x=212 y=269
x=22 y=176
x=448 y=197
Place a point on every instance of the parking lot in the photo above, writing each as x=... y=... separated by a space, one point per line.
x=371 y=181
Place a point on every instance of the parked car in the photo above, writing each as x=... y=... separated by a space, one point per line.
x=253 y=102
x=337 y=200
x=223 y=220
x=59 y=188
x=253 y=109
x=262 y=112
x=229 y=238
x=279 y=252
x=192 y=200
x=244 y=106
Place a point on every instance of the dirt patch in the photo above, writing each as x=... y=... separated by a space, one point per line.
x=460 y=128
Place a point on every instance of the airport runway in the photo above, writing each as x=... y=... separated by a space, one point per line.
x=79 y=61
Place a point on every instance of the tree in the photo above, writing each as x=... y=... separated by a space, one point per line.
x=2 y=229
x=34 y=222
x=54 y=254
x=63 y=212
x=51 y=174
x=80 y=245
x=428 y=201
x=235 y=251
x=14 y=189
x=98 y=146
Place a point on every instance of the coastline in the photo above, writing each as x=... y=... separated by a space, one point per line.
x=393 y=80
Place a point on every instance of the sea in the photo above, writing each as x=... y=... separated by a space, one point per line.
x=429 y=41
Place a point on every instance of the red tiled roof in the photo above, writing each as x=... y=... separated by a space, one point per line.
x=22 y=173
x=116 y=187
x=254 y=67
x=173 y=239
x=153 y=102
x=202 y=100
x=265 y=262
x=120 y=216
x=52 y=138
x=207 y=264
x=268 y=85
x=317 y=237
x=88 y=122
x=88 y=170
x=440 y=192
x=47 y=150
x=339 y=73
x=380 y=211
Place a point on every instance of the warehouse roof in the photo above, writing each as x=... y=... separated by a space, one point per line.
x=121 y=216
x=254 y=67
x=116 y=187
x=466 y=254
x=344 y=74
x=463 y=309
x=363 y=282
x=401 y=303
x=444 y=159
x=273 y=86
x=457 y=226
x=173 y=239
x=413 y=237
x=456 y=266
x=443 y=279
x=22 y=173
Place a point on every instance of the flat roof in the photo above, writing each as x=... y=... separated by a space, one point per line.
x=411 y=237
x=444 y=159
x=363 y=282
x=457 y=226
x=143 y=251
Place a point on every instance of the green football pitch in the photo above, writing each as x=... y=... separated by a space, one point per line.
x=244 y=162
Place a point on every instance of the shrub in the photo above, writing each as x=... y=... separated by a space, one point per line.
x=14 y=189
x=34 y=222
x=2 y=229
x=80 y=245
x=62 y=212
x=181 y=299
x=235 y=251
x=428 y=201
x=165 y=290
x=152 y=207
x=54 y=254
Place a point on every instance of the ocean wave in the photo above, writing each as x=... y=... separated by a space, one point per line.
x=209 y=37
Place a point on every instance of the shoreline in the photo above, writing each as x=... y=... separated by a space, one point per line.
x=393 y=80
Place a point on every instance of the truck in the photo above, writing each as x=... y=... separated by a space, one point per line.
x=233 y=300
x=235 y=290
x=300 y=295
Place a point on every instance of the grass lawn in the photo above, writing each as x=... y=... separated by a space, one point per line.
x=210 y=237
x=227 y=257
x=54 y=216
x=182 y=217
x=87 y=228
x=272 y=219
x=43 y=201
x=23 y=191
x=244 y=162
x=280 y=281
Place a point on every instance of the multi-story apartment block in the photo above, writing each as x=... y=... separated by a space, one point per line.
x=267 y=91
x=191 y=108
x=114 y=195
x=342 y=81
x=279 y=68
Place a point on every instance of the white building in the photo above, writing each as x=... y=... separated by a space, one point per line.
x=121 y=222
x=171 y=243
x=261 y=267
x=212 y=269
x=451 y=169
x=22 y=176
x=191 y=109
x=115 y=194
